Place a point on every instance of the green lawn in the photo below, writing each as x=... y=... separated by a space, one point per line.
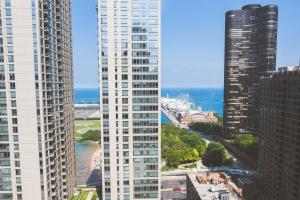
x=83 y=126
x=95 y=195
x=83 y=195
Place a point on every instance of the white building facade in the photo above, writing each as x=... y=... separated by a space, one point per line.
x=129 y=76
x=37 y=155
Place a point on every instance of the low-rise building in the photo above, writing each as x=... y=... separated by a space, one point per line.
x=211 y=186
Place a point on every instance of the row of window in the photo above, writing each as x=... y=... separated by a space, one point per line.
x=145 y=130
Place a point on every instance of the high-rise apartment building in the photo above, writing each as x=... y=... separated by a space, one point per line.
x=250 y=52
x=279 y=152
x=129 y=66
x=37 y=156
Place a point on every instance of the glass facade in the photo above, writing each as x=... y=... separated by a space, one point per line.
x=129 y=64
x=250 y=52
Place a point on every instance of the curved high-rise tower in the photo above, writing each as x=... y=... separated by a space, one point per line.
x=250 y=53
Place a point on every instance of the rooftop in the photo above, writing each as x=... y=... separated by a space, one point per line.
x=211 y=186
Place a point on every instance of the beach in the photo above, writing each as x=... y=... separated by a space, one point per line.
x=96 y=160
x=86 y=152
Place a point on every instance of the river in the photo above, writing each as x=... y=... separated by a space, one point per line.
x=85 y=175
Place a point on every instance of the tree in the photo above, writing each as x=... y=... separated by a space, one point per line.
x=181 y=146
x=247 y=143
x=215 y=154
x=210 y=128
x=93 y=135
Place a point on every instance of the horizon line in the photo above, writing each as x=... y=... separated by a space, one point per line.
x=167 y=87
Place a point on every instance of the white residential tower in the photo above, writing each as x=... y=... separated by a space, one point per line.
x=37 y=156
x=129 y=68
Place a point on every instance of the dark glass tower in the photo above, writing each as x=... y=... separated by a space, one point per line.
x=250 y=53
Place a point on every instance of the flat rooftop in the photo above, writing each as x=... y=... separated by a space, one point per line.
x=209 y=191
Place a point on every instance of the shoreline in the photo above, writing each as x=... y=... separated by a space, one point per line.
x=96 y=160
x=86 y=141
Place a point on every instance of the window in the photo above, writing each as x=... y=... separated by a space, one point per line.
x=14 y=120
x=10 y=49
x=2 y=95
x=13 y=94
x=16 y=139
x=2 y=85
x=14 y=112
x=13 y=103
x=11 y=77
x=9 y=31
x=16 y=146
x=124 y=69
x=9 y=40
x=12 y=86
x=8 y=11
x=10 y=58
x=8 y=21
x=123 y=4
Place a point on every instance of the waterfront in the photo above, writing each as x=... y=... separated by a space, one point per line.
x=209 y=99
x=85 y=174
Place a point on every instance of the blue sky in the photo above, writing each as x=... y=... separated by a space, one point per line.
x=192 y=40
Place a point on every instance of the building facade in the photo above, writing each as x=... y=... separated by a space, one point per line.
x=129 y=75
x=37 y=155
x=279 y=153
x=250 y=52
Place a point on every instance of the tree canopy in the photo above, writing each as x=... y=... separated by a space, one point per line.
x=181 y=146
x=216 y=155
x=247 y=143
x=93 y=135
x=210 y=128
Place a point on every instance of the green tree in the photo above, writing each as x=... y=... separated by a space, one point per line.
x=247 y=143
x=215 y=154
x=210 y=128
x=181 y=146
x=93 y=135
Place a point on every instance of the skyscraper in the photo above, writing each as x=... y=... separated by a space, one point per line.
x=129 y=66
x=250 y=52
x=279 y=153
x=37 y=157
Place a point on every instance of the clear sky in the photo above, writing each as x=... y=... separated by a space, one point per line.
x=192 y=40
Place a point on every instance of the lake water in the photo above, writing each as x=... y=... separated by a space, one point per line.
x=84 y=174
x=209 y=99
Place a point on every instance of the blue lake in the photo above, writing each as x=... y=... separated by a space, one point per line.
x=209 y=99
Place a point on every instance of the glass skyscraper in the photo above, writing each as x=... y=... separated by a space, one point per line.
x=250 y=53
x=37 y=156
x=129 y=68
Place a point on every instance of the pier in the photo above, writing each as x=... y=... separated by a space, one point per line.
x=181 y=112
x=172 y=118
